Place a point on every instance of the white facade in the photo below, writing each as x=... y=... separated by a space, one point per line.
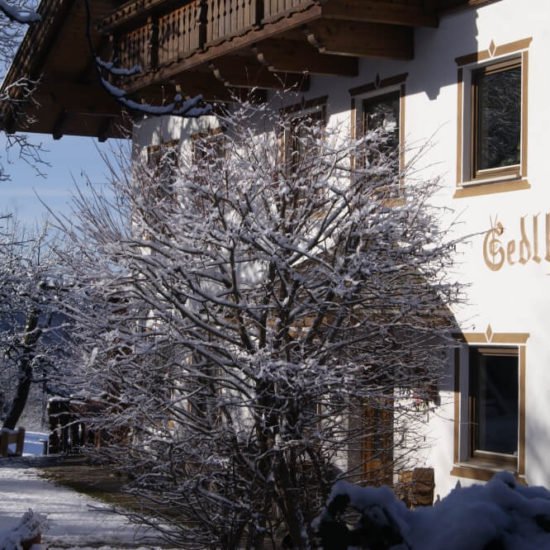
x=506 y=266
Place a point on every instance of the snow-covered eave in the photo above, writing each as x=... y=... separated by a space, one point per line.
x=55 y=53
x=30 y=54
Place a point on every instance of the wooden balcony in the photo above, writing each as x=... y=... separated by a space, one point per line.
x=208 y=46
x=212 y=47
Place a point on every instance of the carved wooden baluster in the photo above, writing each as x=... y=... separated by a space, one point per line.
x=236 y=25
x=187 y=29
x=185 y=37
x=151 y=39
x=211 y=15
x=201 y=18
x=163 y=37
x=225 y=9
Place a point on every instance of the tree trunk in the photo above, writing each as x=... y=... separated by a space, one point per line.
x=30 y=338
x=290 y=506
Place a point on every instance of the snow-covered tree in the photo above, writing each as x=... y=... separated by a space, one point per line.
x=31 y=325
x=260 y=318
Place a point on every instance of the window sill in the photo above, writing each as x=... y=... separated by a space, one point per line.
x=481 y=472
x=475 y=189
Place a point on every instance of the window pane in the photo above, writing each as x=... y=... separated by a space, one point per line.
x=382 y=113
x=304 y=132
x=498 y=137
x=496 y=404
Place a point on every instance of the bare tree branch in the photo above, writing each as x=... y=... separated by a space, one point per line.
x=259 y=321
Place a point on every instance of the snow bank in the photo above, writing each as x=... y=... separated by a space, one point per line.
x=74 y=520
x=501 y=514
x=31 y=527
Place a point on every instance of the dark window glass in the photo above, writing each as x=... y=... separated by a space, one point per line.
x=162 y=164
x=303 y=134
x=381 y=113
x=209 y=147
x=494 y=393
x=498 y=112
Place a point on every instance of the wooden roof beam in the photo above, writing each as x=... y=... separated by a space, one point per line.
x=292 y=56
x=105 y=129
x=240 y=72
x=376 y=40
x=77 y=98
x=57 y=130
x=375 y=11
x=192 y=83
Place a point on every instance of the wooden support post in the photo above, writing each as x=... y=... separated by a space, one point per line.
x=3 y=443
x=9 y=437
x=20 y=442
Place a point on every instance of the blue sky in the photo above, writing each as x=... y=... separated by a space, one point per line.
x=71 y=159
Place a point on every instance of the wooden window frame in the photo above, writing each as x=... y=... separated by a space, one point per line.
x=476 y=455
x=480 y=465
x=469 y=181
x=316 y=109
x=154 y=152
x=512 y=170
x=377 y=448
x=212 y=135
x=154 y=164
x=377 y=89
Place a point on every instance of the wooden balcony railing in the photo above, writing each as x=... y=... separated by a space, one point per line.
x=134 y=47
x=276 y=8
x=227 y=18
x=197 y=25
x=180 y=33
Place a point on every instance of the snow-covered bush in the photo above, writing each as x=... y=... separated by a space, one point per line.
x=26 y=535
x=243 y=305
x=502 y=514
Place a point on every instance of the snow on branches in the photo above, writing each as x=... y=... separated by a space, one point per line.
x=266 y=312
x=30 y=324
x=107 y=70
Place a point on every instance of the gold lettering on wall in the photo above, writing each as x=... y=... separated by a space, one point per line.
x=498 y=249
x=493 y=254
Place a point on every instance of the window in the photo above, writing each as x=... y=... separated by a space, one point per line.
x=382 y=113
x=492 y=120
x=496 y=136
x=162 y=170
x=378 y=443
x=490 y=405
x=303 y=122
x=494 y=403
x=379 y=106
x=163 y=160
x=156 y=178
x=208 y=152
x=209 y=146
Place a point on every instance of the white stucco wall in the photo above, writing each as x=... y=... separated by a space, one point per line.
x=514 y=299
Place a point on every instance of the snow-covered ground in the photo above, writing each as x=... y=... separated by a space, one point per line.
x=75 y=520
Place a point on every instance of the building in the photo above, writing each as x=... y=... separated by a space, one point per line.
x=470 y=76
